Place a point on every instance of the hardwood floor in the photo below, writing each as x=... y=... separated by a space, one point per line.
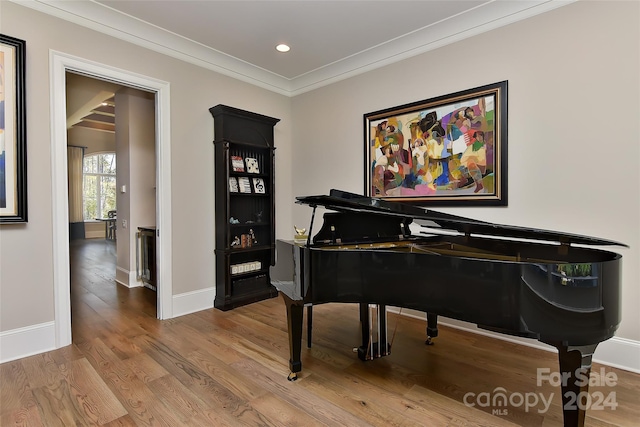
x=215 y=368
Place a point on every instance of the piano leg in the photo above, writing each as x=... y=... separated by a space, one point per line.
x=295 y=312
x=309 y=323
x=432 y=328
x=365 y=350
x=371 y=349
x=575 y=366
x=384 y=346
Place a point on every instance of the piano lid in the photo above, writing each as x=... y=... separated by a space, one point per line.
x=339 y=200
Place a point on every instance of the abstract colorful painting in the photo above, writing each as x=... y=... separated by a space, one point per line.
x=445 y=151
x=13 y=167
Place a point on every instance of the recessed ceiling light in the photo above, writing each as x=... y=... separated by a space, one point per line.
x=282 y=48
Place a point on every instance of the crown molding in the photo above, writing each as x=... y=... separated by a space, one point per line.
x=482 y=19
x=486 y=17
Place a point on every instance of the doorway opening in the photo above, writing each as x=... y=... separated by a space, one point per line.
x=108 y=122
x=61 y=64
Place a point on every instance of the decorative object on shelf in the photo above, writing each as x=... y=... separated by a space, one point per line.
x=300 y=236
x=244 y=184
x=252 y=165
x=13 y=154
x=246 y=241
x=246 y=267
x=456 y=144
x=237 y=164
x=244 y=221
x=258 y=185
x=233 y=184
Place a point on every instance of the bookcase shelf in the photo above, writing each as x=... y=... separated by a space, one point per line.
x=244 y=221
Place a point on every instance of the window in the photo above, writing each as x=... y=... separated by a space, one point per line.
x=99 y=189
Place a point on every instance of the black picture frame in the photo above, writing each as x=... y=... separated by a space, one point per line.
x=450 y=150
x=13 y=126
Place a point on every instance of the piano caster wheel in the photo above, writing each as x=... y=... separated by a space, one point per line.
x=429 y=341
x=292 y=376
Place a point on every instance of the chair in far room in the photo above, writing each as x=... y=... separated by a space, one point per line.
x=111 y=225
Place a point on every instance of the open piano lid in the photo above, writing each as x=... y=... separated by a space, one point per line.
x=339 y=200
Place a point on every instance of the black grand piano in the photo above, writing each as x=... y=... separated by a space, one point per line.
x=519 y=281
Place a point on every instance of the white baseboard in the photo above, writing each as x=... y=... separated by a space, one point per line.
x=190 y=302
x=122 y=276
x=616 y=352
x=128 y=278
x=134 y=281
x=620 y=353
x=23 y=342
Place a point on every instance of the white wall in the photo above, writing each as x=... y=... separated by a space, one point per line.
x=573 y=125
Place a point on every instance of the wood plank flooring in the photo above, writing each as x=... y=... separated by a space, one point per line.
x=214 y=368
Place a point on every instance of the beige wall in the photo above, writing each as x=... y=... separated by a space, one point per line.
x=26 y=293
x=135 y=142
x=94 y=141
x=573 y=124
x=573 y=137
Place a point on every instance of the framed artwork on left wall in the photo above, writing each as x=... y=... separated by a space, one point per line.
x=13 y=131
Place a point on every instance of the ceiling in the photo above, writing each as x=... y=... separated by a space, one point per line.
x=90 y=103
x=330 y=40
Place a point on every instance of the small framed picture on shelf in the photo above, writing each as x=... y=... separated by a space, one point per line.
x=244 y=184
x=233 y=184
x=237 y=164
x=252 y=165
x=258 y=185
